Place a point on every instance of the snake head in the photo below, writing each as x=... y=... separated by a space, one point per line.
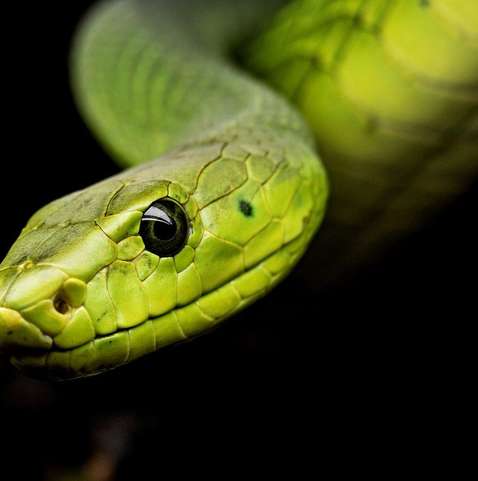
x=154 y=256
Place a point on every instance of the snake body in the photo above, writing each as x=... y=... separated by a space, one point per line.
x=90 y=284
x=390 y=89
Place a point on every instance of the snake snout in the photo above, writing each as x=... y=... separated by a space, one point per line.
x=17 y=333
x=42 y=309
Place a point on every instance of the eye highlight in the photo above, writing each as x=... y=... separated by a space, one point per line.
x=164 y=228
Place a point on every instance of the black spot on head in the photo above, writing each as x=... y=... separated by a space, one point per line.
x=246 y=208
x=424 y=3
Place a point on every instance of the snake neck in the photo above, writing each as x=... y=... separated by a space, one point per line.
x=129 y=55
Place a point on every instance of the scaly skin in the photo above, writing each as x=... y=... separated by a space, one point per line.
x=389 y=88
x=79 y=292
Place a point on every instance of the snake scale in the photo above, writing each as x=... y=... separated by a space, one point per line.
x=226 y=179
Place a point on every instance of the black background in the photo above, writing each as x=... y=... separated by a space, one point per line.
x=376 y=355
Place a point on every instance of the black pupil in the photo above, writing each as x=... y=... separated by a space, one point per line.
x=164 y=228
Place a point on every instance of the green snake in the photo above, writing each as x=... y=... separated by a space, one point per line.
x=224 y=189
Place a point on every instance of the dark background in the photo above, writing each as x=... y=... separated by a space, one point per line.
x=376 y=355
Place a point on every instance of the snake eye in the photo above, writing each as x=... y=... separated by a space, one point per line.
x=164 y=228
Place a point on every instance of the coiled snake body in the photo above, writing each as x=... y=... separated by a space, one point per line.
x=224 y=188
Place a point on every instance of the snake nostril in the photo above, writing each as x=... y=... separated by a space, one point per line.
x=60 y=304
